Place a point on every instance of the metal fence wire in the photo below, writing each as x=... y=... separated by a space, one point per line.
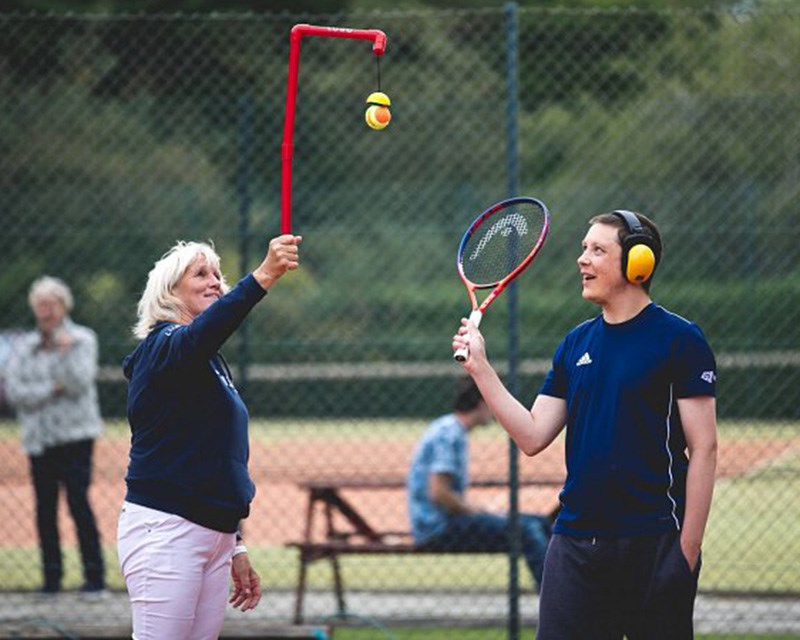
x=121 y=135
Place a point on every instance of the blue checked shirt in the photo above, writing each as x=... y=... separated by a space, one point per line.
x=443 y=448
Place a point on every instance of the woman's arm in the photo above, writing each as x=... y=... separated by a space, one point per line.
x=76 y=369
x=24 y=389
x=204 y=336
x=282 y=256
x=209 y=331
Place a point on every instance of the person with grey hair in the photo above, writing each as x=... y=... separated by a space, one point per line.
x=51 y=384
x=188 y=485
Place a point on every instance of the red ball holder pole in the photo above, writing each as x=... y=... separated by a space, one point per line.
x=299 y=31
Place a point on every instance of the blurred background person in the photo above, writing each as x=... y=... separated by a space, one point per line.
x=442 y=518
x=51 y=383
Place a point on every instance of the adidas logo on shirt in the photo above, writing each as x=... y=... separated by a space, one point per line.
x=584 y=360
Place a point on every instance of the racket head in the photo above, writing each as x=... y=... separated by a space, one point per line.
x=501 y=242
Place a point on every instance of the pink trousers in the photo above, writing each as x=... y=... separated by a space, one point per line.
x=177 y=574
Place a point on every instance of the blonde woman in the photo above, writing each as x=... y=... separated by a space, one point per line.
x=188 y=485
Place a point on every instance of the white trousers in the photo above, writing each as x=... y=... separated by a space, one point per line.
x=177 y=574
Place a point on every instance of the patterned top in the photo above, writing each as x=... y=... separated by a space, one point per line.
x=47 y=418
x=443 y=448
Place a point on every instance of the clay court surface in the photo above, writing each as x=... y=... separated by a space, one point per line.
x=279 y=508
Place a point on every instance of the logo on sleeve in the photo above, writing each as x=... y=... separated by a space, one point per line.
x=584 y=360
x=171 y=330
x=708 y=376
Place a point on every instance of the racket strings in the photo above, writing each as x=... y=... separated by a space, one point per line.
x=501 y=243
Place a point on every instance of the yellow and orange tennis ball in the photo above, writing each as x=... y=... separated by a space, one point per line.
x=378 y=115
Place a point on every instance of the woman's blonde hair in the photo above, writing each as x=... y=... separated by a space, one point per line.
x=158 y=302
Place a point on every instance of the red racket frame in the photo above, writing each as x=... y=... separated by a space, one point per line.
x=298 y=32
x=477 y=310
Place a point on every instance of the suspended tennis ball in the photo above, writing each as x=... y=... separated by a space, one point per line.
x=378 y=115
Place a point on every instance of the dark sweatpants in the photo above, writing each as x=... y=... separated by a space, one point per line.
x=640 y=587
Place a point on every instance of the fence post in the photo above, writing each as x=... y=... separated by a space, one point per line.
x=512 y=164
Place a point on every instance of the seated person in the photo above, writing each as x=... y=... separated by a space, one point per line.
x=441 y=517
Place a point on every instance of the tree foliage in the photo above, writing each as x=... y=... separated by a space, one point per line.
x=153 y=129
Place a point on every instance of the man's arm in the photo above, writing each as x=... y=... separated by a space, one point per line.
x=442 y=495
x=533 y=430
x=699 y=418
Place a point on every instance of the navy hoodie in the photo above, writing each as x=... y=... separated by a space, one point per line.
x=189 y=440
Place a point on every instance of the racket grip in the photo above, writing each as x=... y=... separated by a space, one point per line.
x=461 y=354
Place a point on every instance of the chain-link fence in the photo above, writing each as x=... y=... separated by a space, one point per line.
x=120 y=135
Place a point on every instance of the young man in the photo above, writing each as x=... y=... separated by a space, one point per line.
x=441 y=517
x=635 y=389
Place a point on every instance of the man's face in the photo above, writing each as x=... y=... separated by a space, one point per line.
x=485 y=415
x=49 y=312
x=600 y=264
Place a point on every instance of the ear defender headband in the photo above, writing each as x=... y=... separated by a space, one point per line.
x=638 y=254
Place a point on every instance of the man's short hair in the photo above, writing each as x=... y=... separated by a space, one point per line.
x=649 y=228
x=467 y=395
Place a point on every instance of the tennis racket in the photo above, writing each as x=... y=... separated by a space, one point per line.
x=497 y=247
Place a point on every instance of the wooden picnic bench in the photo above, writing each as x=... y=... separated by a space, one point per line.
x=359 y=536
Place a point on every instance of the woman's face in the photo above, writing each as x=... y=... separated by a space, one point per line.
x=198 y=289
x=49 y=312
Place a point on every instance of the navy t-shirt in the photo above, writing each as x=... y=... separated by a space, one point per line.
x=625 y=446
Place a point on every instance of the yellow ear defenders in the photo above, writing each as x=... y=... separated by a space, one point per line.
x=638 y=254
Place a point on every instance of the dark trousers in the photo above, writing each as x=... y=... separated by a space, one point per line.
x=69 y=465
x=488 y=532
x=640 y=587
